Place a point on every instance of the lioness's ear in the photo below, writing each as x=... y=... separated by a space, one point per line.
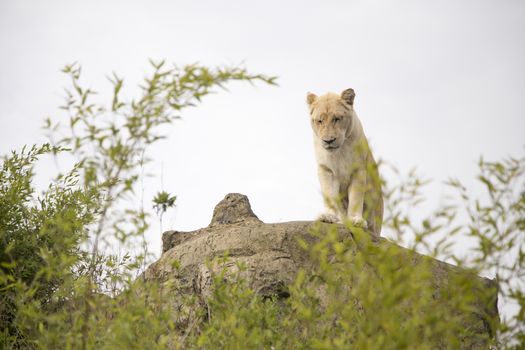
x=348 y=96
x=310 y=98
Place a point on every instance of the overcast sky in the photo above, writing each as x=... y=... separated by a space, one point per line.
x=438 y=83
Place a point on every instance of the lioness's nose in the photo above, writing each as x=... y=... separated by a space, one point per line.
x=329 y=141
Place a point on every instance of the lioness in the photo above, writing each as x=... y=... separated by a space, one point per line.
x=347 y=170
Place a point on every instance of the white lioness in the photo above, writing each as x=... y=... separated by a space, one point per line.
x=347 y=170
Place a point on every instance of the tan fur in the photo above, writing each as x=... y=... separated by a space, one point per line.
x=347 y=170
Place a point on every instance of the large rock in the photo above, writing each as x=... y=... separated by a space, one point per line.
x=273 y=256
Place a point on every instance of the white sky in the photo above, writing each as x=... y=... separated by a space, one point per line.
x=438 y=83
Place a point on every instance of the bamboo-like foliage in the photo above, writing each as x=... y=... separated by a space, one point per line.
x=60 y=289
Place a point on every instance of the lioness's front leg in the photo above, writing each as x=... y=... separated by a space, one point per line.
x=356 y=196
x=330 y=189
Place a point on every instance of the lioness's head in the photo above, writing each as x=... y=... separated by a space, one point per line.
x=331 y=116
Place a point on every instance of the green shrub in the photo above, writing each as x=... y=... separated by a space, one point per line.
x=60 y=289
x=56 y=280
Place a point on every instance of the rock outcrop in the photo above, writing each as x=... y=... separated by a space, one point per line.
x=273 y=256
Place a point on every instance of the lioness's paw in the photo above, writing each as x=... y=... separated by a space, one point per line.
x=358 y=221
x=329 y=218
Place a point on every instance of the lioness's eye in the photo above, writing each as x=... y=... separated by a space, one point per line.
x=319 y=121
x=336 y=119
